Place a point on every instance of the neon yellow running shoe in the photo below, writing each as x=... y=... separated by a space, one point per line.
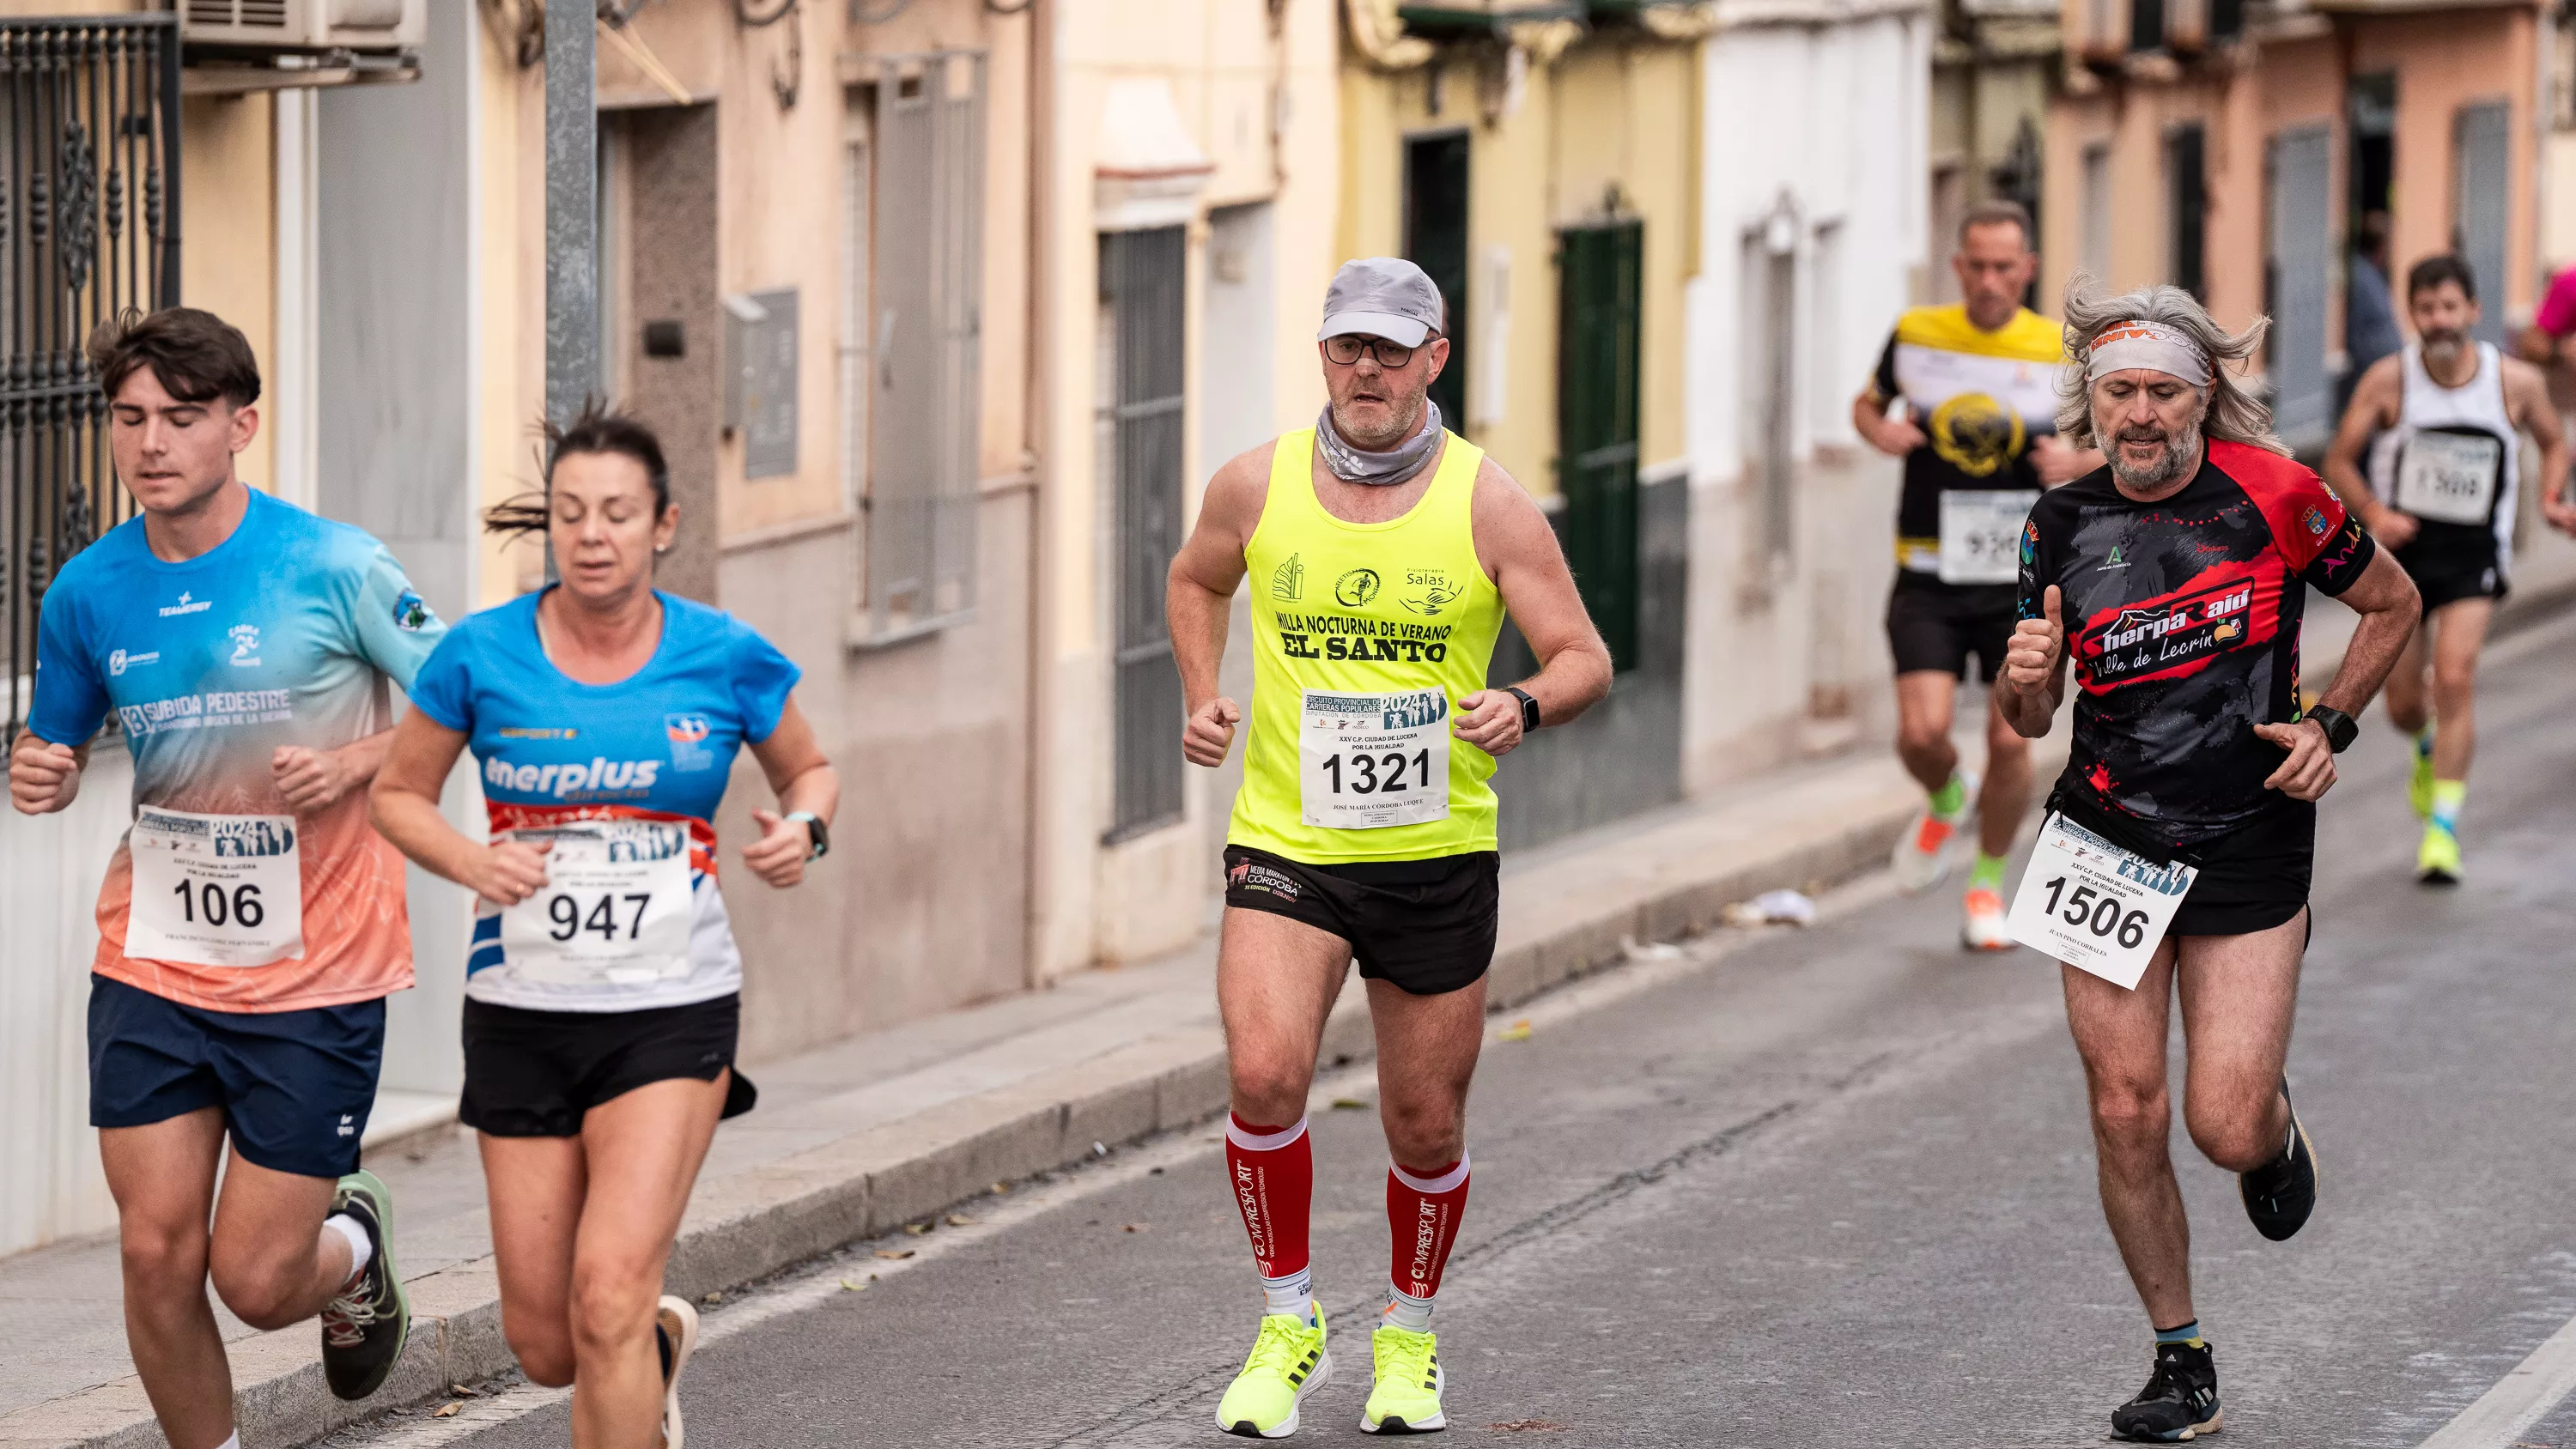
x=2437 y=861
x=2419 y=786
x=1407 y=1397
x=1287 y=1363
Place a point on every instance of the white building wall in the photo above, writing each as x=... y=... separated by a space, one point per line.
x=50 y=868
x=1789 y=658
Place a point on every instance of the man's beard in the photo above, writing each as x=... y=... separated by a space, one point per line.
x=2442 y=345
x=1404 y=419
x=2181 y=457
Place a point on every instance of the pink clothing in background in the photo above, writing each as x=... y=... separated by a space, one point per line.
x=2557 y=315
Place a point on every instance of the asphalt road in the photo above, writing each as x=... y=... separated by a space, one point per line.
x=1818 y=1188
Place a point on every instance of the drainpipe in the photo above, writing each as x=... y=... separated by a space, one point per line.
x=572 y=212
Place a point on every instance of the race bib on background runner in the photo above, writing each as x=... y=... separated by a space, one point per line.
x=1981 y=534
x=2450 y=477
x=1369 y=761
x=615 y=909
x=215 y=890
x=2094 y=905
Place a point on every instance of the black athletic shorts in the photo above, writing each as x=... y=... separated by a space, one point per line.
x=1426 y=925
x=537 y=1073
x=2447 y=568
x=2252 y=878
x=1933 y=625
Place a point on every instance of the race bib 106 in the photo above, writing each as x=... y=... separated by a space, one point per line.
x=616 y=907
x=2450 y=477
x=1369 y=761
x=215 y=890
x=1981 y=534
x=2095 y=905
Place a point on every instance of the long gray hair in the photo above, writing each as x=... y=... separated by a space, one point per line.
x=2233 y=414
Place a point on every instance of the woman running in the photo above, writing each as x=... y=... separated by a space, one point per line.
x=603 y=985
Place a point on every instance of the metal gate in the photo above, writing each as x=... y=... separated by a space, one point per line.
x=89 y=209
x=2302 y=259
x=2482 y=204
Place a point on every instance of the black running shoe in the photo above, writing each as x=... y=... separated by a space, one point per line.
x=364 y=1329
x=2280 y=1194
x=2179 y=1403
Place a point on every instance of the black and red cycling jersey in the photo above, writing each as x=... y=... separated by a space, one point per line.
x=2182 y=617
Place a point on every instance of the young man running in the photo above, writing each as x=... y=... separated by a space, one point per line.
x=2184 y=829
x=1384 y=552
x=1979 y=440
x=252 y=923
x=2447 y=412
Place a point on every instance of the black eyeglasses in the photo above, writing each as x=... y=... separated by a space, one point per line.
x=1345 y=351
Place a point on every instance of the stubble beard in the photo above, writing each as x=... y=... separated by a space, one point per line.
x=2443 y=348
x=1406 y=419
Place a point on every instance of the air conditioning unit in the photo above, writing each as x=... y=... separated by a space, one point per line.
x=316 y=25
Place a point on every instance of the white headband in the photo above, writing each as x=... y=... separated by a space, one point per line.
x=2151 y=345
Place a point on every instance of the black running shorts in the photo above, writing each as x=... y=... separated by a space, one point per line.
x=537 y=1073
x=2447 y=568
x=2254 y=877
x=1425 y=925
x=1936 y=626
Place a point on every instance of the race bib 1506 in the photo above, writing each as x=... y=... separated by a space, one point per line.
x=2450 y=477
x=1368 y=761
x=1981 y=534
x=215 y=890
x=2094 y=905
x=615 y=910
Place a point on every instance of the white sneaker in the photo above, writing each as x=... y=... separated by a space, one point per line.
x=1982 y=928
x=1922 y=853
x=679 y=1325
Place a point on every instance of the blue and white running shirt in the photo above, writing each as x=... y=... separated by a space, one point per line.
x=624 y=778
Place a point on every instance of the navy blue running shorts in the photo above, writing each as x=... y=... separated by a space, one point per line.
x=295 y=1087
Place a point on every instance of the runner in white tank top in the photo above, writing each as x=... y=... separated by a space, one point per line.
x=2445 y=469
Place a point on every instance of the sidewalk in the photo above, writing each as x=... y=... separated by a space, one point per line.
x=859 y=1138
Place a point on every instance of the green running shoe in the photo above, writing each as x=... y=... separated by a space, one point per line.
x=1407 y=1397
x=2437 y=860
x=1287 y=1363
x=365 y=1328
x=2419 y=786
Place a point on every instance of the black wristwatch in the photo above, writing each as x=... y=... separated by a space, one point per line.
x=821 y=833
x=1529 y=708
x=2339 y=727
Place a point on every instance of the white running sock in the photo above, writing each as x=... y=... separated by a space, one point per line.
x=1294 y=1294
x=232 y=1443
x=361 y=1252
x=1407 y=1312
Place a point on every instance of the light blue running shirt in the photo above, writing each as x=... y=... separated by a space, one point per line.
x=641 y=761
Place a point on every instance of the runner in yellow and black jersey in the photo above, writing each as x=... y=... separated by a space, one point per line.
x=1978 y=433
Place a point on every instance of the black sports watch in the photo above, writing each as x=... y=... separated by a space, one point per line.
x=821 y=833
x=1529 y=708
x=2339 y=727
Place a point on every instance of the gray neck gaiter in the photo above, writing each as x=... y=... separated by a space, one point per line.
x=1351 y=465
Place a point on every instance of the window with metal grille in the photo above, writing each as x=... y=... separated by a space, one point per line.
x=1769 y=339
x=1142 y=394
x=1435 y=239
x=2482 y=203
x=2299 y=264
x=913 y=207
x=2187 y=208
x=89 y=205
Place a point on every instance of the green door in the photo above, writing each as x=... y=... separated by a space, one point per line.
x=1600 y=282
x=1435 y=239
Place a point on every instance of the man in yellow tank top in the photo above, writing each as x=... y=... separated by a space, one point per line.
x=1383 y=552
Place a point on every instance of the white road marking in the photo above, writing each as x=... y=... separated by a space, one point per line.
x=2519 y=1400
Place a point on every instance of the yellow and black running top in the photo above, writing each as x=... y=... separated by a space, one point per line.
x=1980 y=398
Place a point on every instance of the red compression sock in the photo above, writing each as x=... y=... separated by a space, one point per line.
x=1271 y=1171
x=1422 y=1213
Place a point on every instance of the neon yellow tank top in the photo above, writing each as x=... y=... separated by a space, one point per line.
x=1365 y=636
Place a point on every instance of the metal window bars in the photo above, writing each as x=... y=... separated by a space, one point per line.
x=89 y=226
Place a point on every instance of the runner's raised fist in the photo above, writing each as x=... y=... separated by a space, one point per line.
x=2031 y=658
x=1210 y=732
x=43 y=777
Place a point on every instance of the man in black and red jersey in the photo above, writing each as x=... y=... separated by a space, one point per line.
x=2173 y=578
